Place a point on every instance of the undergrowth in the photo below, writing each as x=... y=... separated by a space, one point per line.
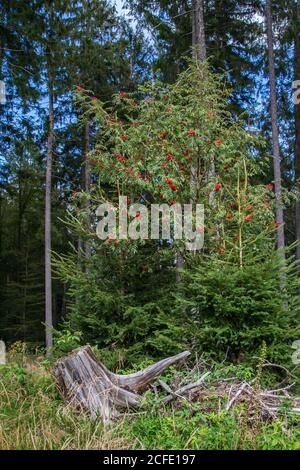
x=33 y=416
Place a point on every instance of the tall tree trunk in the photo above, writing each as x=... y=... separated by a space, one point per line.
x=297 y=125
x=199 y=55
x=198 y=31
x=87 y=179
x=275 y=133
x=48 y=276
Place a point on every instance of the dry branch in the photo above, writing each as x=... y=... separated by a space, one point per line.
x=181 y=392
x=87 y=384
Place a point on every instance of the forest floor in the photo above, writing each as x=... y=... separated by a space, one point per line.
x=33 y=416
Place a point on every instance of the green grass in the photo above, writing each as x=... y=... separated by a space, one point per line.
x=33 y=416
x=209 y=431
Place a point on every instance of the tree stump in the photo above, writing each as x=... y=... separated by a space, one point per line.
x=86 y=383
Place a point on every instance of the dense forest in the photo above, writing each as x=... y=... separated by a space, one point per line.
x=174 y=103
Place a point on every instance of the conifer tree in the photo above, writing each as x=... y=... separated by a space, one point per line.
x=275 y=133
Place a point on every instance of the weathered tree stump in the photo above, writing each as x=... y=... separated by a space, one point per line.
x=86 y=383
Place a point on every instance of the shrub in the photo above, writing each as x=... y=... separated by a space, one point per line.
x=232 y=310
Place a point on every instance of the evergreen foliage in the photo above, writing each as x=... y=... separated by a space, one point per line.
x=126 y=293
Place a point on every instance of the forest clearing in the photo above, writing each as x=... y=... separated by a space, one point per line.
x=149 y=226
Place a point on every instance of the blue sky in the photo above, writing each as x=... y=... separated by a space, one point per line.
x=119 y=5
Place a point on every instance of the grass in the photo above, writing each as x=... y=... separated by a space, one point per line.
x=33 y=416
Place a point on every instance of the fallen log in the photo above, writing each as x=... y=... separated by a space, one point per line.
x=87 y=384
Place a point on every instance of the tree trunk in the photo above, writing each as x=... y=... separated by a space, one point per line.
x=198 y=31
x=179 y=266
x=48 y=276
x=297 y=127
x=88 y=385
x=87 y=180
x=275 y=134
x=199 y=54
x=2 y=353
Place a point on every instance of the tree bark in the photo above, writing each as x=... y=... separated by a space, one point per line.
x=88 y=385
x=87 y=179
x=48 y=275
x=199 y=54
x=275 y=133
x=2 y=353
x=198 y=31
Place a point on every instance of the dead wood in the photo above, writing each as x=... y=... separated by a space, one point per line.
x=86 y=383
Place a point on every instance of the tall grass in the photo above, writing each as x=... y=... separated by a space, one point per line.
x=33 y=416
